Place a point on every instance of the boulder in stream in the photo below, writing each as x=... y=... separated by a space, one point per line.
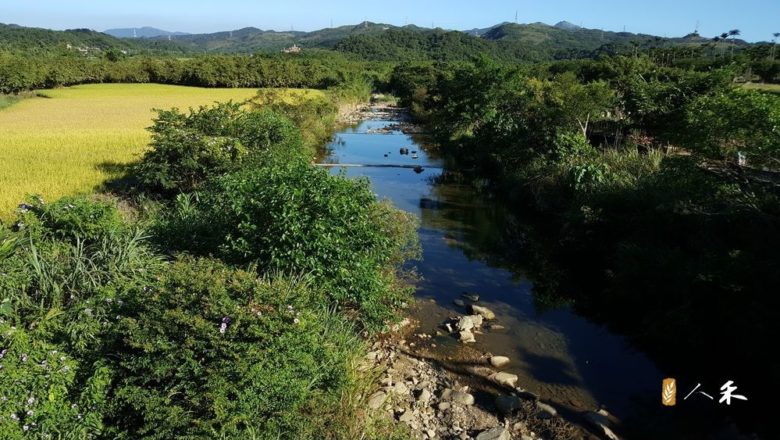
x=499 y=361
x=483 y=311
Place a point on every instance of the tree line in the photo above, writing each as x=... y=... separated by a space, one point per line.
x=652 y=190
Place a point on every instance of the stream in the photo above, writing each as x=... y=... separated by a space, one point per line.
x=561 y=356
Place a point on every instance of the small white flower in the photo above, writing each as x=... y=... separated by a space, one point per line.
x=296 y=321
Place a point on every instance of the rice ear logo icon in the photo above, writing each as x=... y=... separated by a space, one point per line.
x=669 y=392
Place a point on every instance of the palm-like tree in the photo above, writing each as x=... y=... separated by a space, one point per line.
x=774 y=43
x=732 y=33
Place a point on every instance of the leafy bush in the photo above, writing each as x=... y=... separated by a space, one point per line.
x=292 y=217
x=188 y=149
x=217 y=352
x=65 y=273
x=723 y=124
x=73 y=218
x=41 y=395
x=315 y=117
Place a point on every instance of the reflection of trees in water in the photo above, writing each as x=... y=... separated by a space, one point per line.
x=485 y=230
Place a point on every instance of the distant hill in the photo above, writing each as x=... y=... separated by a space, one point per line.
x=142 y=32
x=251 y=39
x=367 y=40
x=85 y=41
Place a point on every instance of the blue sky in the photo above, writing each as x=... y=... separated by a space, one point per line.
x=757 y=19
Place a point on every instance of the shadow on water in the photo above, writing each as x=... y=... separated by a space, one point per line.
x=472 y=244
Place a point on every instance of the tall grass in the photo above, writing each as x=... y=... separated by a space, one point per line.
x=72 y=140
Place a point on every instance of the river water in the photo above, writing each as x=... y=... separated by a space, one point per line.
x=565 y=358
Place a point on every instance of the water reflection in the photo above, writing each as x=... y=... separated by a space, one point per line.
x=561 y=356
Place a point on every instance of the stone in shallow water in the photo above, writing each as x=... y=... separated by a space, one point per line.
x=459 y=303
x=465 y=323
x=601 y=422
x=471 y=297
x=504 y=379
x=467 y=337
x=545 y=411
x=483 y=311
x=499 y=361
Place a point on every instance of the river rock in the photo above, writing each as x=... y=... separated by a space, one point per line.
x=506 y=405
x=504 y=379
x=601 y=422
x=457 y=397
x=377 y=400
x=467 y=337
x=424 y=396
x=477 y=320
x=459 y=303
x=465 y=323
x=400 y=388
x=499 y=361
x=545 y=411
x=497 y=433
x=483 y=311
x=471 y=297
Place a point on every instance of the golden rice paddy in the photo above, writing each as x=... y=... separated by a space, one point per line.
x=72 y=140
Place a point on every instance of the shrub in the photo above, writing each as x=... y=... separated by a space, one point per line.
x=188 y=149
x=292 y=217
x=216 y=352
x=315 y=117
x=73 y=218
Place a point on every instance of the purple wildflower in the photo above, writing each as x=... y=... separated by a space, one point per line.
x=223 y=327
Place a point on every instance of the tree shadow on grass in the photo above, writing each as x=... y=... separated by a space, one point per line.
x=121 y=179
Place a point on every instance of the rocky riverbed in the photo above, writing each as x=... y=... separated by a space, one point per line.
x=465 y=398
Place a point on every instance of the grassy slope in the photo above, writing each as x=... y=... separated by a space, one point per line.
x=73 y=141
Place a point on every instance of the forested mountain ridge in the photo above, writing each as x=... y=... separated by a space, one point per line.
x=14 y=38
x=252 y=39
x=367 y=40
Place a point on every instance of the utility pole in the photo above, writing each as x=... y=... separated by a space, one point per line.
x=516 y=17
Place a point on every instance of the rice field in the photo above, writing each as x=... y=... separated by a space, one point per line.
x=771 y=88
x=71 y=140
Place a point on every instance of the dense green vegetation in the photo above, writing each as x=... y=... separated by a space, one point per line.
x=229 y=304
x=38 y=58
x=19 y=72
x=237 y=315
x=651 y=224
x=36 y=41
